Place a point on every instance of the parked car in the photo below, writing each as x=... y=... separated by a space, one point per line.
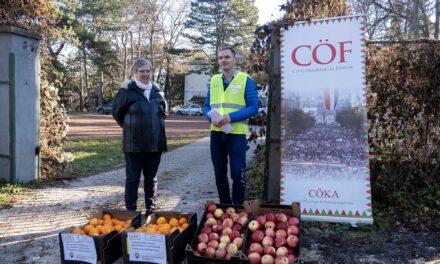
x=105 y=108
x=191 y=109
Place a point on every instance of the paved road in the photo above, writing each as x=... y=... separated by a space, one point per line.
x=28 y=232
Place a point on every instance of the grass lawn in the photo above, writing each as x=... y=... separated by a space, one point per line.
x=8 y=190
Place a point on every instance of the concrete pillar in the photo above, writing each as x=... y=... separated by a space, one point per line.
x=19 y=104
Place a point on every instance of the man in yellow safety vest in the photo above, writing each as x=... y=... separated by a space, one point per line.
x=234 y=96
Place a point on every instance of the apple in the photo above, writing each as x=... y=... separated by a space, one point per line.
x=213 y=244
x=292 y=258
x=269 y=224
x=234 y=235
x=228 y=223
x=281 y=233
x=211 y=221
x=256 y=247
x=206 y=229
x=261 y=219
x=214 y=236
x=230 y=210
x=281 y=218
x=293 y=230
x=234 y=217
x=238 y=241
x=209 y=252
x=224 y=216
x=281 y=251
x=292 y=241
x=243 y=213
x=220 y=253
x=293 y=221
x=269 y=232
x=281 y=225
x=196 y=253
x=281 y=260
x=269 y=250
x=211 y=208
x=218 y=213
x=254 y=258
x=243 y=220
x=217 y=229
x=201 y=247
x=267 y=241
x=209 y=215
x=232 y=248
x=225 y=239
x=203 y=237
x=280 y=242
x=228 y=256
x=227 y=231
x=267 y=259
x=257 y=236
x=253 y=225
x=237 y=227
x=270 y=217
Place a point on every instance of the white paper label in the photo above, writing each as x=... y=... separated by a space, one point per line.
x=147 y=247
x=79 y=247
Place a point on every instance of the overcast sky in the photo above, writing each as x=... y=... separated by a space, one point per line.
x=268 y=10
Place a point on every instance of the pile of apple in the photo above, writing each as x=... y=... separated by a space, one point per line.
x=274 y=238
x=222 y=234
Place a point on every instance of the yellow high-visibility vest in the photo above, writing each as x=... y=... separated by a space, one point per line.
x=229 y=100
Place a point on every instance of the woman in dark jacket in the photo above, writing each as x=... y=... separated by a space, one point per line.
x=139 y=108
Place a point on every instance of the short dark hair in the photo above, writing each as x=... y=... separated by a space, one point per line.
x=228 y=48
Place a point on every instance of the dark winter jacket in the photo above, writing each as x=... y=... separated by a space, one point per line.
x=142 y=120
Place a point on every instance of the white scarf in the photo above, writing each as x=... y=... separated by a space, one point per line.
x=146 y=87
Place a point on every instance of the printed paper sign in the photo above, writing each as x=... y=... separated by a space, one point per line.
x=79 y=247
x=147 y=247
x=325 y=161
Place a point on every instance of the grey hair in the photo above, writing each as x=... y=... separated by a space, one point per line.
x=140 y=63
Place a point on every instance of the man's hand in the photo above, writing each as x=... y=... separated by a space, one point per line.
x=215 y=123
x=225 y=120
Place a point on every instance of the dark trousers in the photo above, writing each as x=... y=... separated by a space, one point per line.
x=148 y=163
x=234 y=146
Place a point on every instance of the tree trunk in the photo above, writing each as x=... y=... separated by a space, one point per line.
x=139 y=40
x=124 y=43
x=132 y=47
x=101 y=89
x=81 y=86
x=415 y=19
x=437 y=18
x=86 y=81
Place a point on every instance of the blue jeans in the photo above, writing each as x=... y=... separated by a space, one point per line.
x=234 y=146
x=135 y=164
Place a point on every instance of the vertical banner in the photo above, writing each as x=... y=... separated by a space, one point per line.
x=325 y=160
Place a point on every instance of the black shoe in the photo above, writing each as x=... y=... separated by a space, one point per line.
x=148 y=212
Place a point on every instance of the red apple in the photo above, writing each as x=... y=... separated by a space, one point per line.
x=257 y=236
x=238 y=241
x=293 y=221
x=280 y=241
x=218 y=213
x=217 y=229
x=261 y=219
x=214 y=236
x=211 y=208
x=213 y=244
x=228 y=256
x=281 y=233
x=281 y=260
x=201 y=247
x=230 y=210
x=243 y=213
x=234 y=217
x=206 y=229
x=209 y=252
x=281 y=225
x=281 y=218
x=267 y=241
x=253 y=225
x=254 y=258
x=220 y=253
x=209 y=215
x=292 y=258
x=269 y=250
x=256 y=247
x=292 y=241
x=224 y=216
x=293 y=230
x=234 y=235
x=281 y=251
x=243 y=220
x=267 y=259
x=232 y=248
x=269 y=232
x=228 y=223
x=237 y=227
x=270 y=224
x=270 y=217
x=227 y=231
x=203 y=237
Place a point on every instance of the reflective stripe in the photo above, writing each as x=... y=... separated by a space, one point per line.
x=226 y=105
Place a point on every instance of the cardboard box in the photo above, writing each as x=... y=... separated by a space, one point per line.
x=175 y=242
x=260 y=209
x=108 y=247
x=235 y=259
